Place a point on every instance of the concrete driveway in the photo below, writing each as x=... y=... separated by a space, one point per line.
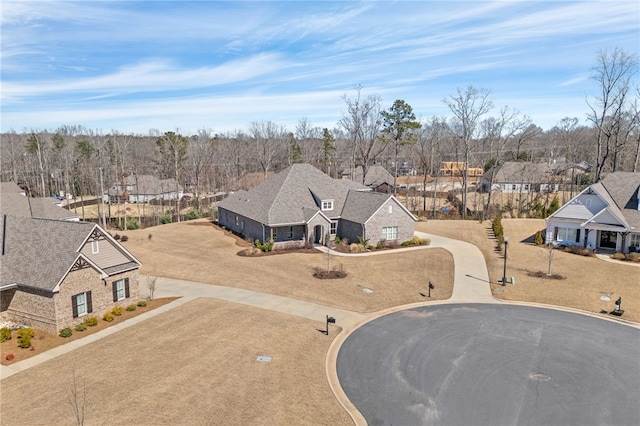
x=492 y=364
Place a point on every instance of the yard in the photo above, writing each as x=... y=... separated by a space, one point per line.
x=587 y=278
x=197 y=364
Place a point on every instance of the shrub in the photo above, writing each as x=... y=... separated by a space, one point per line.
x=149 y=237
x=192 y=214
x=617 y=256
x=131 y=308
x=266 y=246
x=117 y=311
x=5 y=334
x=337 y=240
x=124 y=238
x=66 y=332
x=91 y=321
x=165 y=218
x=81 y=327
x=498 y=230
x=416 y=240
x=142 y=303
x=356 y=248
x=364 y=242
x=632 y=257
x=108 y=316
x=26 y=331
x=407 y=243
x=116 y=237
x=538 y=238
x=379 y=246
x=25 y=341
x=132 y=223
x=425 y=241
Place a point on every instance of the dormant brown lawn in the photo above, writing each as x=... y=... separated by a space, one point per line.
x=587 y=278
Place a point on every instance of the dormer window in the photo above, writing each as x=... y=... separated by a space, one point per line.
x=327 y=205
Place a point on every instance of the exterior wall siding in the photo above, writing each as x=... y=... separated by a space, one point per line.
x=108 y=254
x=398 y=217
x=248 y=228
x=349 y=230
x=5 y=298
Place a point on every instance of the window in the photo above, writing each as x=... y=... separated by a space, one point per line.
x=588 y=202
x=120 y=289
x=95 y=247
x=514 y=187
x=634 y=239
x=81 y=304
x=237 y=221
x=525 y=187
x=290 y=233
x=568 y=234
x=334 y=228
x=274 y=234
x=390 y=233
x=390 y=208
x=327 y=205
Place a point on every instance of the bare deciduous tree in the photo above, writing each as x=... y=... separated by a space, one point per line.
x=467 y=106
x=612 y=74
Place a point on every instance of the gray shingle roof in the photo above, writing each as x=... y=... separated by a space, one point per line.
x=39 y=252
x=376 y=176
x=623 y=189
x=360 y=206
x=516 y=172
x=12 y=203
x=287 y=197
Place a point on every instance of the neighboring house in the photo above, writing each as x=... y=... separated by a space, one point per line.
x=377 y=178
x=456 y=168
x=54 y=273
x=604 y=215
x=519 y=177
x=142 y=189
x=14 y=202
x=302 y=204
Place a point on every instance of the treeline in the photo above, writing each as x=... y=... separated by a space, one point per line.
x=74 y=159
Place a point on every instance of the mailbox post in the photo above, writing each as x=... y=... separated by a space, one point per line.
x=330 y=320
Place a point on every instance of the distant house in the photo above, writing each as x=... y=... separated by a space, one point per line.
x=377 y=178
x=302 y=204
x=54 y=273
x=142 y=189
x=519 y=177
x=14 y=202
x=605 y=215
x=457 y=168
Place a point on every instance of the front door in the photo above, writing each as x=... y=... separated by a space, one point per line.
x=608 y=239
x=317 y=234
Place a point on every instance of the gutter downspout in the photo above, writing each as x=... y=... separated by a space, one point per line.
x=4 y=232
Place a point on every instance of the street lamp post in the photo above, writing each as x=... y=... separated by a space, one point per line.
x=504 y=272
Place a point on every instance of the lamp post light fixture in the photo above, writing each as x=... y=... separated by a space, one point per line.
x=504 y=272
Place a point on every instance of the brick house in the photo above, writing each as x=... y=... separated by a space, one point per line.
x=54 y=273
x=302 y=205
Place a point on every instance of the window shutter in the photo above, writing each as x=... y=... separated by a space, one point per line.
x=578 y=236
x=89 y=303
x=114 y=287
x=126 y=288
x=74 y=306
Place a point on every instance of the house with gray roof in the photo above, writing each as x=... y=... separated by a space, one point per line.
x=303 y=205
x=142 y=189
x=606 y=215
x=520 y=177
x=377 y=178
x=53 y=273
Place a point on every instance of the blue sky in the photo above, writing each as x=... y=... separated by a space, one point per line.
x=140 y=65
